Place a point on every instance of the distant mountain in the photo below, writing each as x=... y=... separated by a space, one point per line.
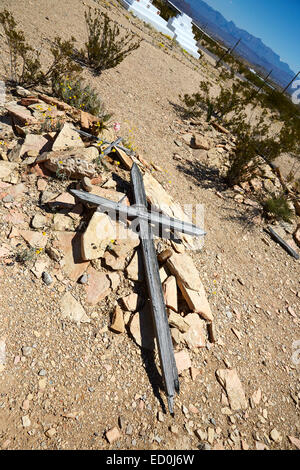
x=251 y=48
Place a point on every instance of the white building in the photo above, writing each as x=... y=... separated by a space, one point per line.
x=182 y=28
x=179 y=27
x=147 y=12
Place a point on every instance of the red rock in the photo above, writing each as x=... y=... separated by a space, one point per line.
x=98 y=286
x=34 y=142
x=55 y=102
x=40 y=170
x=170 y=293
x=141 y=328
x=97 y=180
x=183 y=361
x=131 y=302
x=199 y=142
x=29 y=100
x=117 y=324
x=196 y=300
x=193 y=409
x=70 y=245
x=65 y=198
x=22 y=114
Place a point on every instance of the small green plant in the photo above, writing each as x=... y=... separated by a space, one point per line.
x=104 y=49
x=24 y=67
x=278 y=208
x=50 y=125
x=81 y=96
x=26 y=254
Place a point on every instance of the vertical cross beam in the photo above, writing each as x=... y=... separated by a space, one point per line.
x=160 y=319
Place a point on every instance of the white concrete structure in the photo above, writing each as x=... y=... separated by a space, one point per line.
x=147 y=12
x=181 y=26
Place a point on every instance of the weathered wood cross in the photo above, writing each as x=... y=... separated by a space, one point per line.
x=144 y=220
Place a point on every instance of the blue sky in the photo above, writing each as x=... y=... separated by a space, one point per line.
x=276 y=22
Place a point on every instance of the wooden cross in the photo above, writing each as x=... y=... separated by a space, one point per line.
x=145 y=220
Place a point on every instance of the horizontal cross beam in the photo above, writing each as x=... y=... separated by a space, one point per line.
x=132 y=212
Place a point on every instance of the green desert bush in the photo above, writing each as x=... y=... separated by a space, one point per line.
x=200 y=102
x=278 y=208
x=23 y=64
x=252 y=139
x=105 y=48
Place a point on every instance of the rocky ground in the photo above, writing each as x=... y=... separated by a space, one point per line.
x=73 y=374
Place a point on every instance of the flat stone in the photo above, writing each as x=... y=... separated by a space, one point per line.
x=67 y=138
x=117 y=323
x=256 y=397
x=69 y=243
x=199 y=142
x=124 y=158
x=135 y=269
x=34 y=143
x=97 y=236
x=72 y=310
x=68 y=164
x=122 y=247
x=182 y=360
x=109 y=184
x=163 y=274
x=170 y=293
x=184 y=269
x=131 y=302
x=112 y=435
x=22 y=114
x=178 y=321
x=197 y=301
x=114 y=279
x=98 y=287
x=295 y=441
x=195 y=336
x=194 y=373
x=34 y=239
x=141 y=328
x=230 y=381
x=6 y=168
